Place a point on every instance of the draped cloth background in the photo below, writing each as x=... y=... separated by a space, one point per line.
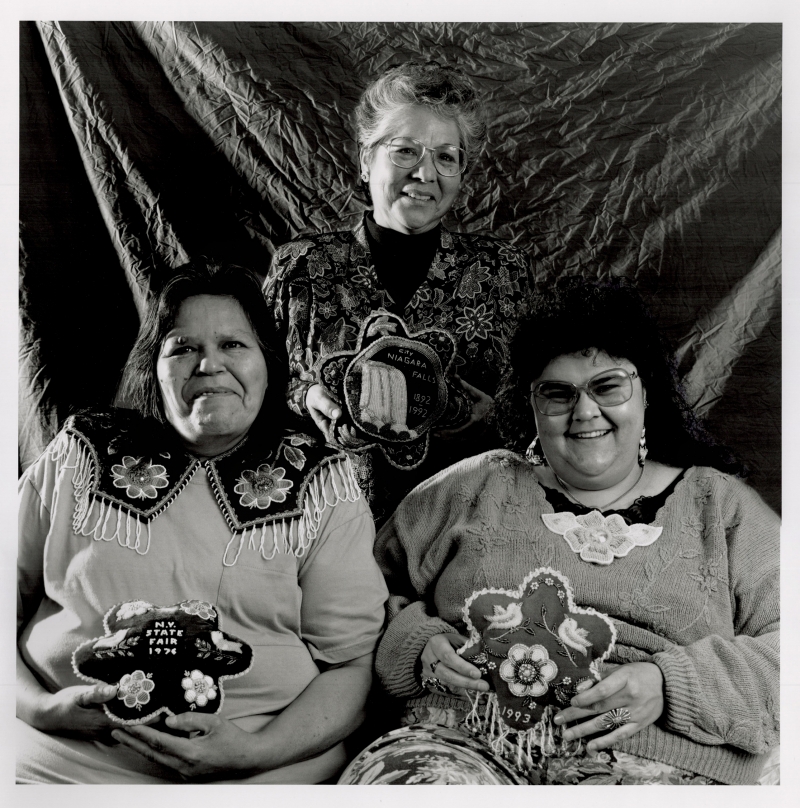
x=650 y=151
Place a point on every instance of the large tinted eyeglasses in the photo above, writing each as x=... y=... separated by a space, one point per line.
x=609 y=389
x=406 y=152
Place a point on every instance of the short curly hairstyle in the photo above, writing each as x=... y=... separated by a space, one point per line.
x=574 y=316
x=139 y=388
x=445 y=90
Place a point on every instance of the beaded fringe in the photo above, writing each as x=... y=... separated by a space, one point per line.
x=519 y=747
x=104 y=521
x=94 y=517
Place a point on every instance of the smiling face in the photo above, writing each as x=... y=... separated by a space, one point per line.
x=412 y=200
x=592 y=447
x=212 y=374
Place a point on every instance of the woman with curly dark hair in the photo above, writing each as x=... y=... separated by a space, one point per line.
x=566 y=321
x=601 y=609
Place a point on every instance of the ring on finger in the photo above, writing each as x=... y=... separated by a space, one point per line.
x=433 y=666
x=432 y=683
x=616 y=718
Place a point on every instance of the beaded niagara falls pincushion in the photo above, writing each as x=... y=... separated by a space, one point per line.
x=162 y=659
x=394 y=388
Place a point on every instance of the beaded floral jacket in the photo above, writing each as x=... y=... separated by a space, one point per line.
x=322 y=287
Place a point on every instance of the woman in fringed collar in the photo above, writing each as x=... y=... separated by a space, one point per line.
x=194 y=516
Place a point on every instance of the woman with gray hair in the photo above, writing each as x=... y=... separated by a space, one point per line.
x=396 y=330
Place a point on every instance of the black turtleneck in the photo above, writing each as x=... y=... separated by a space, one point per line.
x=401 y=260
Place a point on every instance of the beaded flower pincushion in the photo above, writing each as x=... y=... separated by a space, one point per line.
x=534 y=646
x=162 y=659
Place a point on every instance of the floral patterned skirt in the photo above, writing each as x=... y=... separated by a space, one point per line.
x=434 y=749
x=429 y=755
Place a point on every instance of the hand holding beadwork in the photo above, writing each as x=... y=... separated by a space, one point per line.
x=323 y=409
x=216 y=745
x=75 y=711
x=636 y=687
x=481 y=404
x=451 y=670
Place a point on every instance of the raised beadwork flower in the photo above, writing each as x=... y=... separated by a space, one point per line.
x=296 y=249
x=200 y=608
x=471 y=285
x=134 y=689
x=199 y=688
x=139 y=477
x=528 y=670
x=317 y=265
x=327 y=309
x=334 y=372
x=599 y=539
x=475 y=322
x=133 y=608
x=260 y=488
x=504 y=284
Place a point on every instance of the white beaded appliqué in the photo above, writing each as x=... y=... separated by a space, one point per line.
x=600 y=539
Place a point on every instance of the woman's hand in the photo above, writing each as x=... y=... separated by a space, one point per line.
x=481 y=404
x=326 y=712
x=323 y=409
x=440 y=661
x=637 y=687
x=219 y=747
x=76 y=710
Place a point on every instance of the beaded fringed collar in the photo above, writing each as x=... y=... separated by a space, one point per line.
x=129 y=470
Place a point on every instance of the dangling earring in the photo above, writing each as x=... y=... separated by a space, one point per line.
x=642 y=449
x=531 y=456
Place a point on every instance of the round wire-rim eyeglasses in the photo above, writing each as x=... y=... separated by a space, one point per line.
x=608 y=389
x=407 y=152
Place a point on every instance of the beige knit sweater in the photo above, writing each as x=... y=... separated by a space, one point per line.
x=702 y=602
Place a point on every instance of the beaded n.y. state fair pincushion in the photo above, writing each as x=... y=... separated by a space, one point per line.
x=170 y=659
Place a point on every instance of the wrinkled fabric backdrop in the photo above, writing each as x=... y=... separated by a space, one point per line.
x=649 y=151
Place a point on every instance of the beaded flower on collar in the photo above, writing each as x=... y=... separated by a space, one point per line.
x=128 y=470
